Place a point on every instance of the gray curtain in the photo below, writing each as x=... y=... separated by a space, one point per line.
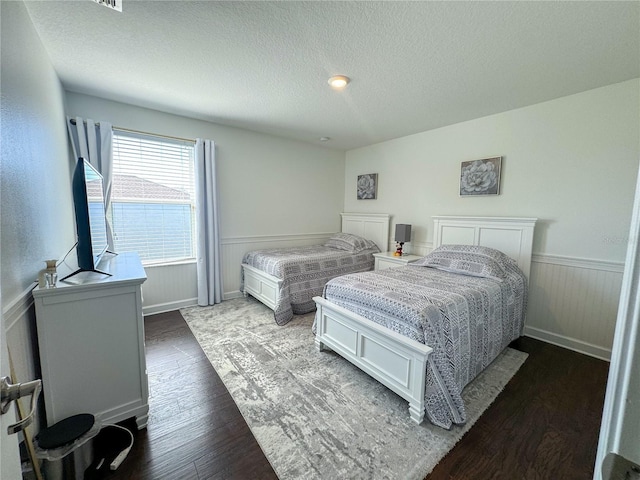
x=94 y=142
x=209 y=266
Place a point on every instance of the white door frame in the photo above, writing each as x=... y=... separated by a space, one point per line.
x=620 y=429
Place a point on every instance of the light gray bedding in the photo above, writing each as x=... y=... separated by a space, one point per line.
x=305 y=271
x=467 y=320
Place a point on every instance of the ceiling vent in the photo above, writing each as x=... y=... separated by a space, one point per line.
x=113 y=4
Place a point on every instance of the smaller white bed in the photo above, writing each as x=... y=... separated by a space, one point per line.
x=307 y=269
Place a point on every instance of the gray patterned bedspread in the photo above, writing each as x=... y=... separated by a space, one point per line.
x=467 y=321
x=305 y=271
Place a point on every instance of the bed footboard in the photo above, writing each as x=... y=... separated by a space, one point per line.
x=396 y=361
x=261 y=285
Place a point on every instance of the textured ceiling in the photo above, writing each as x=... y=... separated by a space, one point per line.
x=264 y=65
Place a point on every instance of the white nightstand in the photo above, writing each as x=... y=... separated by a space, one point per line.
x=386 y=260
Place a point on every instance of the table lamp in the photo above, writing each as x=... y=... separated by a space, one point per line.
x=403 y=234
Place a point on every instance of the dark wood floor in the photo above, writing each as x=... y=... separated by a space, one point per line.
x=543 y=426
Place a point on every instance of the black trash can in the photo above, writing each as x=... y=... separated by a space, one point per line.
x=66 y=447
x=110 y=448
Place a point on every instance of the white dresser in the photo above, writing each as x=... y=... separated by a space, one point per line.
x=91 y=342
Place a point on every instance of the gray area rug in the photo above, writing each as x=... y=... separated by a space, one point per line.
x=313 y=413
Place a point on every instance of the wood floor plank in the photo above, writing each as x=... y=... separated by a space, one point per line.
x=544 y=425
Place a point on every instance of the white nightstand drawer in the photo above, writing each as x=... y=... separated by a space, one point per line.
x=386 y=260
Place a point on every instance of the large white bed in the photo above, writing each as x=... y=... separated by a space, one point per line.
x=400 y=362
x=268 y=288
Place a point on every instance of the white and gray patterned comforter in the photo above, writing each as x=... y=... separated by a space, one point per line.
x=305 y=271
x=467 y=321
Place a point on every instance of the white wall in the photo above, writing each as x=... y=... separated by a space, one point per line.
x=571 y=162
x=36 y=221
x=268 y=186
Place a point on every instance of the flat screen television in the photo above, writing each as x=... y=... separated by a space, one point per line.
x=91 y=221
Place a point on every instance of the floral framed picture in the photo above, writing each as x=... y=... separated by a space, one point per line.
x=367 y=186
x=480 y=177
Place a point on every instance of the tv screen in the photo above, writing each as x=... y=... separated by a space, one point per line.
x=91 y=223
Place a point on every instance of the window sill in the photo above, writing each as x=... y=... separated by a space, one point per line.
x=152 y=264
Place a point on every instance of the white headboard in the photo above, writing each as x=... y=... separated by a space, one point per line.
x=513 y=236
x=372 y=226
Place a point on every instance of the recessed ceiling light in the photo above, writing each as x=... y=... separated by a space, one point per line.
x=339 y=81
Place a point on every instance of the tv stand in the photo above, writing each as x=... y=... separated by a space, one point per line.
x=93 y=270
x=80 y=270
x=91 y=344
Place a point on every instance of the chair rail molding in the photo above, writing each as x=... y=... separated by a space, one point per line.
x=257 y=239
x=576 y=262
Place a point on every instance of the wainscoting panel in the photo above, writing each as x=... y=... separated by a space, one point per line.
x=574 y=303
x=169 y=287
x=20 y=323
x=233 y=250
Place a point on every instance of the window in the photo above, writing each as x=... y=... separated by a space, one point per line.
x=153 y=197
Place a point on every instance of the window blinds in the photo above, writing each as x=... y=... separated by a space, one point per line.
x=153 y=197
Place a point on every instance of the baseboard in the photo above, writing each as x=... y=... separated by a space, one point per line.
x=232 y=295
x=192 y=302
x=168 y=307
x=568 y=343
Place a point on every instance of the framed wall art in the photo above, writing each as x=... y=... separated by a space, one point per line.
x=367 y=186
x=480 y=177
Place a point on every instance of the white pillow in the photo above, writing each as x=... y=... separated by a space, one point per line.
x=350 y=242
x=472 y=260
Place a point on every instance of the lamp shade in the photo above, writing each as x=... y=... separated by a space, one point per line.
x=403 y=232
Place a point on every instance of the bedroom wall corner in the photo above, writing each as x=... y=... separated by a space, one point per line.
x=35 y=174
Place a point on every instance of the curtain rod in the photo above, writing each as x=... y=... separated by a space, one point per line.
x=122 y=129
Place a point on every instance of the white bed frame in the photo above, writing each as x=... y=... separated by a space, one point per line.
x=372 y=226
x=399 y=362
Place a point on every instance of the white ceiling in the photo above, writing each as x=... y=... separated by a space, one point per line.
x=264 y=65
